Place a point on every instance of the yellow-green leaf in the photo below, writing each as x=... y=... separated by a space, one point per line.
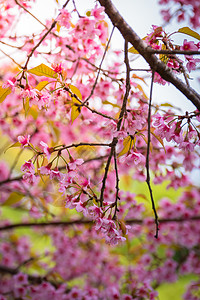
x=60 y=202
x=145 y=139
x=133 y=50
x=13 y=199
x=38 y=169
x=170 y=105
x=95 y=202
x=138 y=77
x=41 y=85
x=75 y=111
x=164 y=57
x=76 y=108
x=112 y=104
x=17 y=144
x=128 y=144
x=75 y=91
x=158 y=138
x=88 y=13
x=43 y=70
x=26 y=105
x=190 y=32
x=33 y=111
x=139 y=87
x=4 y=93
x=58 y=26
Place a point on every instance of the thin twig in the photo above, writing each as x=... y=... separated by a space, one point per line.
x=83 y=144
x=40 y=41
x=114 y=142
x=99 y=69
x=147 y=158
x=26 y=10
x=117 y=185
x=142 y=70
x=11 y=59
x=19 y=178
x=66 y=88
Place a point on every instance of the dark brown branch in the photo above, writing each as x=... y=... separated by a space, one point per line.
x=12 y=271
x=31 y=278
x=89 y=222
x=147 y=159
x=165 y=72
x=114 y=143
x=84 y=144
x=128 y=86
x=116 y=186
x=188 y=52
x=19 y=178
x=122 y=112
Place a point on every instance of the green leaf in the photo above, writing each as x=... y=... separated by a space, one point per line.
x=190 y=32
x=128 y=144
x=41 y=85
x=13 y=199
x=4 y=93
x=76 y=108
x=43 y=70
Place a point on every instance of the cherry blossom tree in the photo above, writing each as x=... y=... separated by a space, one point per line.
x=79 y=128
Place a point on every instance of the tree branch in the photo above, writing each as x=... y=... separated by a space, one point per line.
x=165 y=72
x=90 y=222
x=183 y=52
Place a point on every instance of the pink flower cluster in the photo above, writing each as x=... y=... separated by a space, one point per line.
x=184 y=9
x=83 y=164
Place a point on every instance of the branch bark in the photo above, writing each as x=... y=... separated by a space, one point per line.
x=158 y=66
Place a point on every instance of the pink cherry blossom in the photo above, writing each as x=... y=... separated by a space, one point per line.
x=24 y=140
x=72 y=165
x=64 y=18
x=46 y=149
x=77 y=194
x=97 y=13
x=28 y=166
x=188 y=46
x=10 y=83
x=191 y=64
